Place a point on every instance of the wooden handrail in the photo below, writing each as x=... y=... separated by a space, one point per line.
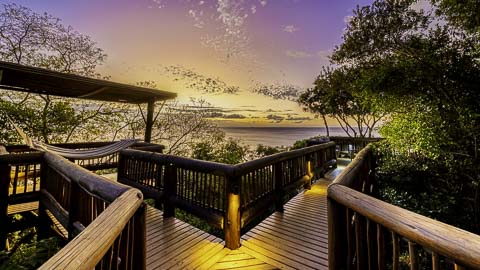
x=90 y=182
x=89 y=247
x=358 y=224
x=248 y=166
x=350 y=173
x=227 y=196
x=105 y=220
x=452 y=242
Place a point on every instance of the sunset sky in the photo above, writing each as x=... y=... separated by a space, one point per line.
x=242 y=44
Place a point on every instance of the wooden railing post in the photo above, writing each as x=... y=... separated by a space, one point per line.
x=121 y=166
x=4 y=186
x=232 y=222
x=170 y=190
x=140 y=238
x=43 y=219
x=310 y=172
x=279 y=192
x=73 y=211
x=337 y=240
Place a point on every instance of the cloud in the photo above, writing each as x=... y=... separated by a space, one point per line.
x=196 y=81
x=298 y=118
x=290 y=28
x=276 y=118
x=297 y=54
x=225 y=116
x=234 y=116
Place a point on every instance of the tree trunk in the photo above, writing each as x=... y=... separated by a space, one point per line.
x=44 y=120
x=326 y=125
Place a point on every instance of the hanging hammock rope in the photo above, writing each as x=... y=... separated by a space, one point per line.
x=74 y=153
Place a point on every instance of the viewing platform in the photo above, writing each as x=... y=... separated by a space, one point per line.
x=294 y=239
x=293 y=210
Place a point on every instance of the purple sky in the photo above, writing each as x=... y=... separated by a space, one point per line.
x=241 y=43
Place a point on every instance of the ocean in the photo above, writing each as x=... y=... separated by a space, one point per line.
x=277 y=136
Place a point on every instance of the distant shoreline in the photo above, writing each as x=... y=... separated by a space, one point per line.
x=278 y=136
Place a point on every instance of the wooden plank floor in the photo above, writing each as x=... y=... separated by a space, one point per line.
x=22 y=207
x=296 y=238
x=174 y=244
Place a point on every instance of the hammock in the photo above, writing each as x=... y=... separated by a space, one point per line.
x=85 y=153
x=75 y=153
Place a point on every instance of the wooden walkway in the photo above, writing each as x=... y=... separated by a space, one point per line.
x=294 y=239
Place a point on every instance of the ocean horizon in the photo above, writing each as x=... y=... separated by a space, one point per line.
x=278 y=136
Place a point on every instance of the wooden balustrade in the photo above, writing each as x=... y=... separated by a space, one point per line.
x=105 y=221
x=227 y=196
x=366 y=233
x=350 y=146
x=106 y=162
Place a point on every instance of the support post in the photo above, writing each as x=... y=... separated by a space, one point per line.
x=73 y=211
x=337 y=231
x=279 y=193
x=139 y=238
x=170 y=190
x=149 y=123
x=232 y=218
x=4 y=186
x=43 y=220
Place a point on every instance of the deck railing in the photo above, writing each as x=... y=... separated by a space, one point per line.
x=350 y=146
x=366 y=233
x=93 y=164
x=228 y=196
x=107 y=218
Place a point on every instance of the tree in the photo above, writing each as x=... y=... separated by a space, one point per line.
x=40 y=40
x=227 y=151
x=426 y=76
x=464 y=14
x=335 y=95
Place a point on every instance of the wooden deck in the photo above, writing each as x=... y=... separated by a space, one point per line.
x=294 y=239
x=22 y=207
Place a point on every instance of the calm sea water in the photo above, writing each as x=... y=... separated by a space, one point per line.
x=277 y=136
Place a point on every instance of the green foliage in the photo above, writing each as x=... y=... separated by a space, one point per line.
x=299 y=144
x=30 y=256
x=433 y=187
x=265 y=150
x=227 y=151
x=45 y=42
x=26 y=252
x=425 y=76
x=464 y=14
x=337 y=95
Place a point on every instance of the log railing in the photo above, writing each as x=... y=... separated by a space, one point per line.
x=227 y=196
x=366 y=233
x=350 y=146
x=105 y=220
x=93 y=164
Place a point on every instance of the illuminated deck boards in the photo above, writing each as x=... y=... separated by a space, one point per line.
x=295 y=239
